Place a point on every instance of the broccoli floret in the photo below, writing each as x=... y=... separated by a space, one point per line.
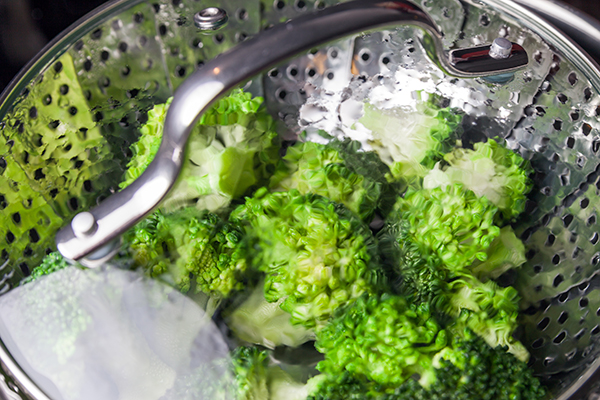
x=489 y=310
x=452 y=223
x=316 y=254
x=411 y=141
x=489 y=170
x=380 y=339
x=506 y=252
x=429 y=274
x=338 y=171
x=250 y=368
x=469 y=369
x=383 y=347
x=51 y=263
x=232 y=149
x=190 y=247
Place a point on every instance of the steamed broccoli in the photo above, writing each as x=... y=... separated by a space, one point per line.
x=452 y=223
x=338 y=171
x=316 y=254
x=470 y=369
x=382 y=347
x=411 y=141
x=506 y=252
x=190 y=247
x=231 y=150
x=381 y=339
x=489 y=170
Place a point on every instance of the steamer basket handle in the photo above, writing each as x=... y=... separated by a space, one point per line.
x=91 y=236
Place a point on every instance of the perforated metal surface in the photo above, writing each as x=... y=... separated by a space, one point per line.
x=63 y=160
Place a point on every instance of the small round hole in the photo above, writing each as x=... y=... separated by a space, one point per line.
x=583 y=302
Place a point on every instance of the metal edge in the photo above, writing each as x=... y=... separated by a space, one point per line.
x=57 y=47
x=577 y=25
x=54 y=49
x=591 y=70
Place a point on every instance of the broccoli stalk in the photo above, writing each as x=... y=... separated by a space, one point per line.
x=258 y=321
x=231 y=150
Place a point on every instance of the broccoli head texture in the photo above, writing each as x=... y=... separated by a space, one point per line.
x=469 y=369
x=489 y=310
x=381 y=339
x=411 y=141
x=338 y=171
x=316 y=254
x=190 y=247
x=490 y=170
x=232 y=149
x=452 y=223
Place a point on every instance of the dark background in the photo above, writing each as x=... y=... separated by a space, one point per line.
x=27 y=25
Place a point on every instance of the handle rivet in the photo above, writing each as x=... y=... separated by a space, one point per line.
x=210 y=18
x=84 y=224
x=500 y=48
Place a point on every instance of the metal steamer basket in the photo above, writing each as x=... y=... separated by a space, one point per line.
x=512 y=73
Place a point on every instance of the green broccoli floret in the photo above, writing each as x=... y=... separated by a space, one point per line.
x=190 y=247
x=452 y=223
x=411 y=141
x=380 y=339
x=232 y=149
x=250 y=368
x=338 y=171
x=383 y=347
x=506 y=252
x=316 y=254
x=489 y=310
x=429 y=274
x=51 y=263
x=469 y=369
x=489 y=170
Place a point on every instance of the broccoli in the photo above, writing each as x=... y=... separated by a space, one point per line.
x=190 y=247
x=452 y=223
x=232 y=149
x=489 y=310
x=489 y=170
x=411 y=141
x=340 y=172
x=51 y=263
x=316 y=254
x=384 y=347
x=381 y=339
x=470 y=369
x=506 y=252
x=429 y=272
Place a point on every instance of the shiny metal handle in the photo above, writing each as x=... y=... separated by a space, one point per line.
x=90 y=232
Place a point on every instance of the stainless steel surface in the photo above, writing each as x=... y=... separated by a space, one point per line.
x=122 y=210
x=547 y=112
